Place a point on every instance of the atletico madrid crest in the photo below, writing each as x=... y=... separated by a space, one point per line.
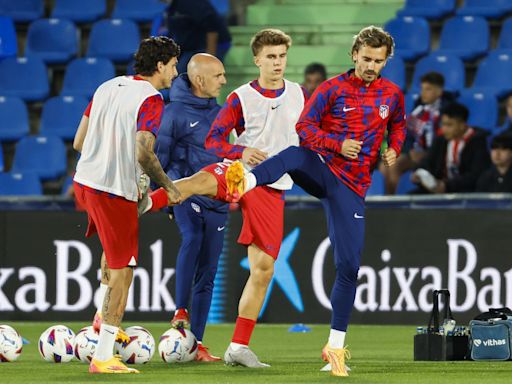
x=383 y=111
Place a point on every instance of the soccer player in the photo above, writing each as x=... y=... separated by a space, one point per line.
x=341 y=130
x=116 y=133
x=262 y=114
x=180 y=148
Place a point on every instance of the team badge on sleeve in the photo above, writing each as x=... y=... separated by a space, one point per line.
x=383 y=111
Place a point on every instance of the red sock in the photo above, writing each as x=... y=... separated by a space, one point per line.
x=159 y=198
x=243 y=330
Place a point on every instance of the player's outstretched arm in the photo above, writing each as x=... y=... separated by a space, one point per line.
x=151 y=166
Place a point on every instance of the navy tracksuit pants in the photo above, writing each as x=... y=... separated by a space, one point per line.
x=202 y=232
x=345 y=218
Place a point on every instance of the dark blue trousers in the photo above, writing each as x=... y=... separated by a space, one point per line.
x=345 y=219
x=202 y=232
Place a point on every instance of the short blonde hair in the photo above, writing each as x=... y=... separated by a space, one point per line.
x=374 y=37
x=267 y=37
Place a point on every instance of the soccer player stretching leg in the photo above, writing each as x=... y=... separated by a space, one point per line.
x=341 y=130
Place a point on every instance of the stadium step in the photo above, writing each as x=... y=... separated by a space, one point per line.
x=302 y=34
x=320 y=14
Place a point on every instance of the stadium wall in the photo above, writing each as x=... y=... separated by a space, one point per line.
x=49 y=271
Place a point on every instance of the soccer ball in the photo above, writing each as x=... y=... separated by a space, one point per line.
x=141 y=347
x=11 y=344
x=56 y=344
x=86 y=341
x=178 y=345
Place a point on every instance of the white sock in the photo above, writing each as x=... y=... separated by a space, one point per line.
x=236 y=346
x=336 y=339
x=105 y=348
x=250 y=181
x=101 y=297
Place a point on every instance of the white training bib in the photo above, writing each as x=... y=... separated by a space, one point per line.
x=270 y=122
x=108 y=162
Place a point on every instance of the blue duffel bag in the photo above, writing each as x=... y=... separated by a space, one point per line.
x=491 y=338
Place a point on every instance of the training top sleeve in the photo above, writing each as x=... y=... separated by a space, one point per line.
x=229 y=118
x=87 y=111
x=309 y=126
x=150 y=114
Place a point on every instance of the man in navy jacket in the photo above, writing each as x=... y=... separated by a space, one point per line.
x=180 y=149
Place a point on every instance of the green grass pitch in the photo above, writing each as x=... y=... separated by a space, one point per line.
x=380 y=354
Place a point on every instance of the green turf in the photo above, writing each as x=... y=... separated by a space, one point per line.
x=380 y=354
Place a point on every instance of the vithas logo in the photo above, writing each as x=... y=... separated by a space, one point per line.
x=489 y=342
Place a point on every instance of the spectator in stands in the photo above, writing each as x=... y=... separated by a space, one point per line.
x=498 y=178
x=422 y=128
x=314 y=75
x=456 y=159
x=197 y=27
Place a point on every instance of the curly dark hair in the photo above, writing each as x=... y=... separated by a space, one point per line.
x=153 y=50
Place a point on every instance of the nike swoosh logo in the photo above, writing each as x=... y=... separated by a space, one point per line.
x=106 y=330
x=277 y=106
x=356 y=216
x=192 y=125
x=121 y=85
x=345 y=109
x=220 y=228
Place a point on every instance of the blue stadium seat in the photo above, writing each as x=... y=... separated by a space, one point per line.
x=43 y=155
x=13 y=119
x=79 y=11
x=115 y=39
x=410 y=99
x=22 y=10
x=483 y=108
x=52 y=40
x=8 y=43
x=412 y=36
x=18 y=184
x=476 y=37
x=377 y=187
x=450 y=66
x=486 y=8
x=433 y=9
x=1 y=158
x=395 y=71
x=505 y=39
x=24 y=77
x=158 y=27
x=138 y=10
x=405 y=185
x=494 y=73
x=61 y=116
x=84 y=75
x=68 y=182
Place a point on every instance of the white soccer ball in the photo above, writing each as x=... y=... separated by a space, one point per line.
x=178 y=345
x=56 y=344
x=141 y=347
x=11 y=344
x=86 y=341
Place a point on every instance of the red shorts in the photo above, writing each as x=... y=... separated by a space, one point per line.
x=262 y=211
x=115 y=220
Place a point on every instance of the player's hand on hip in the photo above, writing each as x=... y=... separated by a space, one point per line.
x=253 y=156
x=351 y=148
x=389 y=157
